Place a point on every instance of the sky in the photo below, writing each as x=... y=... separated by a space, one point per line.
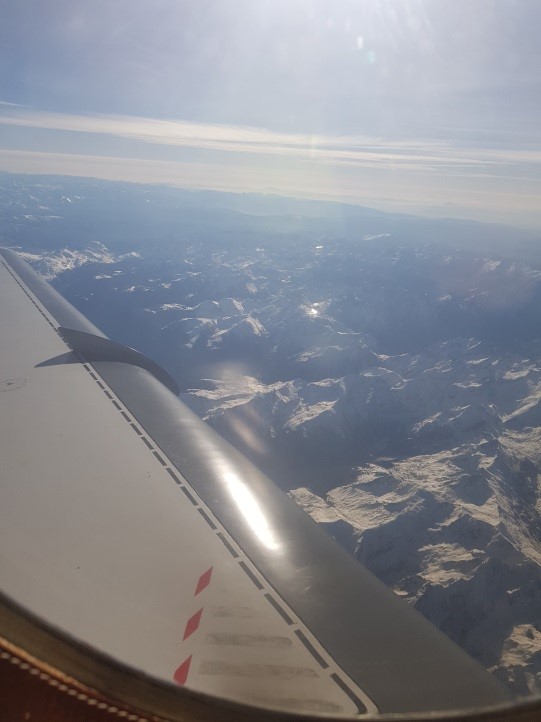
x=424 y=106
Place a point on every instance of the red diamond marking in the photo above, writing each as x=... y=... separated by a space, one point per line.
x=181 y=674
x=204 y=581
x=192 y=624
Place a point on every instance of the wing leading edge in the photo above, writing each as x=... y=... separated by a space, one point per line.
x=130 y=524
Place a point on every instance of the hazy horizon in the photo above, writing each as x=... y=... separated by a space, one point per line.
x=421 y=107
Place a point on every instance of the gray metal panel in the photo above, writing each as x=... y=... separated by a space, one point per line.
x=102 y=538
x=400 y=660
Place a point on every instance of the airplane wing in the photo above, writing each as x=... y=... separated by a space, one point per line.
x=133 y=531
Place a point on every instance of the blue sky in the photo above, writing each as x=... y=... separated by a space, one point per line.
x=425 y=106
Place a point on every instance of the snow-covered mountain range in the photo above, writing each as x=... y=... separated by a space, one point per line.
x=385 y=371
x=445 y=506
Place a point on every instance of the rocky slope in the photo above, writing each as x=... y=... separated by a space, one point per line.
x=446 y=504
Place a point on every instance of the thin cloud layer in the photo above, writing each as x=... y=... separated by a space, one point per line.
x=413 y=154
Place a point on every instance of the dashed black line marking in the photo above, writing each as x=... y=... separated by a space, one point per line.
x=125 y=415
x=285 y=616
x=174 y=476
x=117 y=405
x=190 y=497
x=207 y=518
x=136 y=429
x=350 y=693
x=147 y=442
x=109 y=396
x=310 y=647
x=100 y=385
x=162 y=462
x=227 y=545
x=252 y=576
x=23 y=289
x=93 y=375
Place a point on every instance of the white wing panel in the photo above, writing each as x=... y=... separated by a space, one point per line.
x=102 y=538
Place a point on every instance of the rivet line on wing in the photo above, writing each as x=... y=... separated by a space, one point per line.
x=8 y=269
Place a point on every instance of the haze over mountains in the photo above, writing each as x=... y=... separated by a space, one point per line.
x=384 y=370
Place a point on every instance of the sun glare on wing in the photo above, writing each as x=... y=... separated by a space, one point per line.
x=251 y=511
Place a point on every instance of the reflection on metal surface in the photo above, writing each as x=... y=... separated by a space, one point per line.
x=247 y=640
x=251 y=511
x=265 y=671
x=245 y=432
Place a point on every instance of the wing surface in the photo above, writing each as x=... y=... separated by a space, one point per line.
x=130 y=525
